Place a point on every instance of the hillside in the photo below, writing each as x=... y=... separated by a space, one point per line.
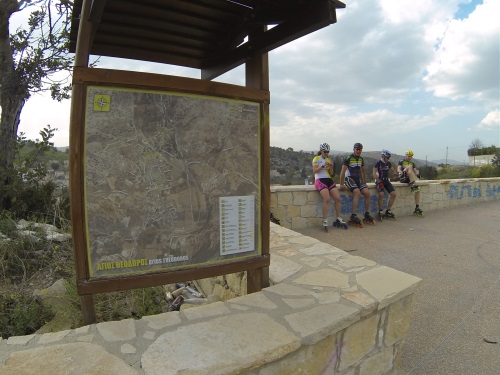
x=291 y=160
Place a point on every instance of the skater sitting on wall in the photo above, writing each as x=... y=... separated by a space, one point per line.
x=409 y=174
x=353 y=175
x=323 y=172
x=383 y=182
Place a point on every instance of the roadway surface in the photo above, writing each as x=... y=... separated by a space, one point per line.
x=455 y=326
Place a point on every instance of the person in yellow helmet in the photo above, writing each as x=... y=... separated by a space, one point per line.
x=409 y=174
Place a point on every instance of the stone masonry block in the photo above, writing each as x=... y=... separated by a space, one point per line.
x=319 y=358
x=359 y=339
x=308 y=211
x=398 y=320
x=293 y=211
x=299 y=223
x=379 y=363
x=312 y=197
x=274 y=200
x=299 y=198
x=285 y=199
x=279 y=212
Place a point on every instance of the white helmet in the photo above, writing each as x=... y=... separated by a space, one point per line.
x=324 y=147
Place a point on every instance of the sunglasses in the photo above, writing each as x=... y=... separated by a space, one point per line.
x=359 y=149
x=326 y=152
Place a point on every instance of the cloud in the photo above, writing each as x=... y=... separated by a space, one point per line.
x=387 y=70
x=466 y=60
x=491 y=121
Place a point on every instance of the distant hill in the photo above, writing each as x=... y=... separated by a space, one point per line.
x=396 y=158
x=449 y=162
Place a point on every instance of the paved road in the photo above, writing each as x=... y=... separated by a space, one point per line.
x=456 y=251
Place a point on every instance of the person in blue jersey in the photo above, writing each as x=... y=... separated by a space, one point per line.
x=409 y=174
x=353 y=176
x=383 y=182
x=323 y=172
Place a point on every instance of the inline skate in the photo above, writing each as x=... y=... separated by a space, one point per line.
x=368 y=219
x=340 y=223
x=354 y=220
x=389 y=215
x=325 y=225
x=414 y=188
x=380 y=215
x=418 y=212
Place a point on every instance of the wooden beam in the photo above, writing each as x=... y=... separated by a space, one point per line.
x=112 y=284
x=96 y=11
x=304 y=21
x=96 y=76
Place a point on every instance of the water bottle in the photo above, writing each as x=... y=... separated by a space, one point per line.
x=307 y=182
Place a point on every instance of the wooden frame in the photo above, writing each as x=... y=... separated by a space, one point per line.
x=86 y=285
x=257 y=77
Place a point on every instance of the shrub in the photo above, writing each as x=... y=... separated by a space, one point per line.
x=22 y=314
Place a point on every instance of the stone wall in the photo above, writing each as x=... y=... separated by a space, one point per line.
x=326 y=312
x=300 y=207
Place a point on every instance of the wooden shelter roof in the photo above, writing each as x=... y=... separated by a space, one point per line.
x=210 y=35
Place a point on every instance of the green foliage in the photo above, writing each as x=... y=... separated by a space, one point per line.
x=22 y=314
x=496 y=160
x=477 y=151
x=485 y=171
x=453 y=172
x=29 y=194
x=7 y=225
x=22 y=264
x=428 y=173
x=40 y=49
x=134 y=303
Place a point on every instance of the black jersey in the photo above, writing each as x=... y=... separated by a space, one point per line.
x=383 y=169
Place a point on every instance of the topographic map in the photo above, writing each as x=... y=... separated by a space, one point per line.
x=171 y=180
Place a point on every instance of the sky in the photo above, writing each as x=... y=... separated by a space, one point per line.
x=390 y=74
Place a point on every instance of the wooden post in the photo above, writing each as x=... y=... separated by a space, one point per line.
x=257 y=76
x=76 y=179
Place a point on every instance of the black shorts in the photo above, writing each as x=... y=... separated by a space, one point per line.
x=354 y=183
x=388 y=186
x=403 y=178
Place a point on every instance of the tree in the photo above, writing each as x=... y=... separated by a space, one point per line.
x=476 y=144
x=496 y=159
x=428 y=172
x=29 y=58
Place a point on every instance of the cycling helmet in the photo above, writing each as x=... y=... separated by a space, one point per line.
x=386 y=153
x=324 y=147
x=358 y=145
x=409 y=152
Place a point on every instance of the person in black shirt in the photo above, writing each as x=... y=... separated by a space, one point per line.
x=383 y=182
x=353 y=176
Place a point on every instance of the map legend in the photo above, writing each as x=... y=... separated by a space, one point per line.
x=237 y=224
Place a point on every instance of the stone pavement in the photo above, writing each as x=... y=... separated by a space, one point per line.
x=455 y=325
x=454 y=329
x=322 y=301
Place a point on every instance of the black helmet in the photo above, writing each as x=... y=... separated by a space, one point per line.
x=358 y=145
x=386 y=153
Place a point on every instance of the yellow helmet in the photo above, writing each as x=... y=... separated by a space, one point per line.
x=409 y=152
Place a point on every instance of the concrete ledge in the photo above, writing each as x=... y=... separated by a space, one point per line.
x=300 y=207
x=326 y=312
